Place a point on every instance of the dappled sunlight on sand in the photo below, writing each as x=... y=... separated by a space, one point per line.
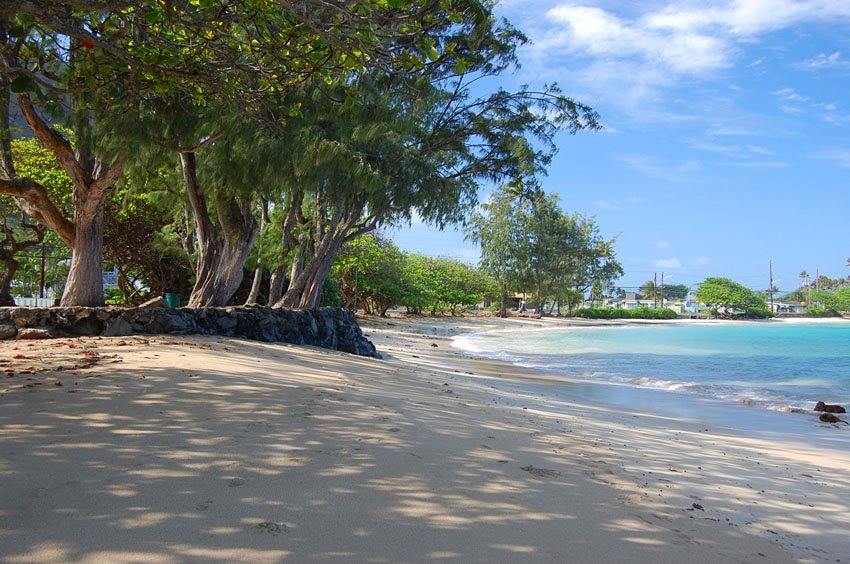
x=223 y=450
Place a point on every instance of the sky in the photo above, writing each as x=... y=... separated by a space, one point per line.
x=726 y=141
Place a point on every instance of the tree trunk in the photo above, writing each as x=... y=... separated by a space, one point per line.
x=93 y=183
x=503 y=305
x=303 y=273
x=258 y=273
x=313 y=289
x=85 y=279
x=6 y=278
x=222 y=256
x=255 y=286
x=278 y=277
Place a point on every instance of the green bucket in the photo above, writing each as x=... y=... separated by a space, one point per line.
x=173 y=300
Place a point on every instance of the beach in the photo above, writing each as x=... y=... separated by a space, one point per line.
x=208 y=449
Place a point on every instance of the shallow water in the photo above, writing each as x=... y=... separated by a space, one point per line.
x=774 y=365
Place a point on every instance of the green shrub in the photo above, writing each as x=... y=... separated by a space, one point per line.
x=331 y=295
x=113 y=296
x=618 y=313
x=821 y=312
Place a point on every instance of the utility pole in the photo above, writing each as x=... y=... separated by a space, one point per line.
x=43 y=264
x=662 y=289
x=817 y=282
x=655 y=289
x=770 y=288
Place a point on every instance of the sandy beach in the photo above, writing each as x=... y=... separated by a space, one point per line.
x=206 y=449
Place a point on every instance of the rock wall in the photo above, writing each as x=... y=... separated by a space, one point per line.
x=330 y=328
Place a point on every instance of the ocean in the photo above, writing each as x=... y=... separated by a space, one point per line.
x=780 y=366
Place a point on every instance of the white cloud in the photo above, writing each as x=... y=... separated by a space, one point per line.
x=627 y=202
x=758 y=164
x=824 y=61
x=662 y=245
x=667 y=263
x=759 y=150
x=689 y=166
x=790 y=94
x=596 y=32
x=837 y=155
x=793 y=110
x=727 y=131
x=661 y=171
x=632 y=56
x=730 y=150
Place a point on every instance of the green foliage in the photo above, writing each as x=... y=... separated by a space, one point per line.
x=619 y=313
x=331 y=295
x=814 y=311
x=730 y=299
x=33 y=161
x=441 y=285
x=377 y=275
x=529 y=244
x=113 y=296
x=361 y=125
x=368 y=271
x=20 y=235
x=649 y=291
x=825 y=302
x=676 y=291
x=139 y=240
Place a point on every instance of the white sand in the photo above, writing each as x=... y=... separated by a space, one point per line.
x=220 y=450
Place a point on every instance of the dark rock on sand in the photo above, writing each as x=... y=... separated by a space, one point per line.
x=827 y=408
x=330 y=328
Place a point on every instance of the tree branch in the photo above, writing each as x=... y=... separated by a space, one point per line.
x=33 y=199
x=56 y=143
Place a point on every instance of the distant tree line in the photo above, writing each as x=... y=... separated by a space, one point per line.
x=371 y=273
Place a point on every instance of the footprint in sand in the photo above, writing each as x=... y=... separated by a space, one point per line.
x=271 y=528
x=236 y=482
x=540 y=472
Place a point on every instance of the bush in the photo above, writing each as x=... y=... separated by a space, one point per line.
x=821 y=312
x=113 y=296
x=618 y=313
x=331 y=295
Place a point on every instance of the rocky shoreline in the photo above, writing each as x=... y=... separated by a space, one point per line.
x=329 y=328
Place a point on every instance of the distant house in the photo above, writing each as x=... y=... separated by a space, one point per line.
x=693 y=305
x=630 y=300
x=790 y=307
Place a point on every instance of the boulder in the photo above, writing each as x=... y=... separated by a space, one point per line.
x=827 y=408
x=27 y=316
x=330 y=328
x=117 y=327
x=31 y=333
x=7 y=331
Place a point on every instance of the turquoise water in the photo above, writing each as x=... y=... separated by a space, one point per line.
x=776 y=365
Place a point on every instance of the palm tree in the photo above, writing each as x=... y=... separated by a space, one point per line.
x=804 y=278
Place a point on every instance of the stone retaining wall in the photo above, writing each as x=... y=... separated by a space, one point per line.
x=330 y=328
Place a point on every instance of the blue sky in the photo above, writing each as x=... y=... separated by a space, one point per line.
x=727 y=139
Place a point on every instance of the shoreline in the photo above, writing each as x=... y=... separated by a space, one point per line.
x=814 y=448
x=670 y=390
x=199 y=449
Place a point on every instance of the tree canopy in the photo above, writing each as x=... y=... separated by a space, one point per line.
x=729 y=299
x=312 y=122
x=528 y=244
